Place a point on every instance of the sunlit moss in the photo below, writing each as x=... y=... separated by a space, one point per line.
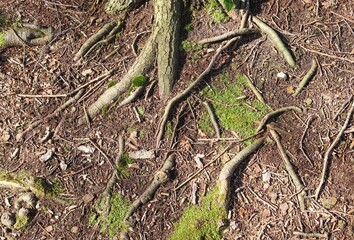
x=201 y=221
x=215 y=11
x=122 y=166
x=21 y=222
x=49 y=189
x=234 y=114
x=2 y=39
x=114 y=223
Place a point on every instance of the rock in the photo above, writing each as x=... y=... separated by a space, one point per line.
x=47 y=156
x=23 y=212
x=8 y=219
x=75 y=230
x=282 y=75
x=142 y=154
x=86 y=149
x=27 y=200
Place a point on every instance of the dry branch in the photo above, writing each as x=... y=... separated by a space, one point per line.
x=229 y=168
x=330 y=150
x=213 y=118
x=290 y=169
x=276 y=113
x=309 y=75
x=180 y=96
x=279 y=44
x=255 y=90
x=228 y=35
x=160 y=177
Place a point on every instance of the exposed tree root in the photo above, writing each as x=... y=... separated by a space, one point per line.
x=228 y=35
x=182 y=95
x=72 y=100
x=255 y=90
x=276 y=113
x=309 y=75
x=229 y=168
x=160 y=177
x=27 y=34
x=330 y=150
x=115 y=7
x=213 y=118
x=300 y=188
x=279 y=44
x=91 y=41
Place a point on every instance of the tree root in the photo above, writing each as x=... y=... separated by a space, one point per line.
x=255 y=90
x=160 y=177
x=180 y=96
x=309 y=75
x=213 y=118
x=279 y=44
x=27 y=34
x=330 y=150
x=300 y=188
x=92 y=41
x=276 y=113
x=228 y=35
x=229 y=168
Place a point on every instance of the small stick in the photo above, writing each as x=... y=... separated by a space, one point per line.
x=270 y=205
x=212 y=118
x=341 y=109
x=309 y=75
x=302 y=140
x=311 y=235
x=290 y=169
x=276 y=113
x=330 y=150
x=228 y=35
x=328 y=55
x=255 y=90
x=279 y=44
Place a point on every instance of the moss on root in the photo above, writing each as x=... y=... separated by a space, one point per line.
x=201 y=221
x=114 y=222
x=234 y=114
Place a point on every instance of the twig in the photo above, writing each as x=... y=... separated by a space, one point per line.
x=276 y=113
x=205 y=166
x=341 y=109
x=229 y=168
x=309 y=75
x=311 y=235
x=160 y=177
x=270 y=205
x=279 y=44
x=180 y=96
x=290 y=169
x=213 y=118
x=302 y=140
x=328 y=55
x=255 y=90
x=228 y=35
x=330 y=150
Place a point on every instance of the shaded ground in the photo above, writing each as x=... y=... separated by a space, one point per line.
x=324 y=32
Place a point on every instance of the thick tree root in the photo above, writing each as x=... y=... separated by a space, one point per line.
x=228 y=35
x=160 y=177
x=27 y=34
x=115 y=7
x=274 y=114
x=279 y=44
x=182 y=95
x=229 y=168
x=213 y=118
x=300 y=188
x=330 y=150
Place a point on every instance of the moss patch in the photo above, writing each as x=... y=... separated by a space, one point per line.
x=49 y=189
x=122 y=166
x=21 y=222
x=214 y=9
x=234 y=114
x=2 y=39
x=201 y=222
x=113 y=224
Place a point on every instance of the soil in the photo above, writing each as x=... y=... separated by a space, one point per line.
x=323 y=32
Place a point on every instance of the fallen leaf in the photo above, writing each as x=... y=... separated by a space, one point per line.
x=290 y=89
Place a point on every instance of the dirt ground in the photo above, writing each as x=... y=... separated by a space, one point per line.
x=324 y=32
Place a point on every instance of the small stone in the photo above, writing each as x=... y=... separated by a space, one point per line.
x=5 y=136
x=86 y=149
x=75 y=230
x=49 y=228
x=87 y=198
x=23 y=212
x=142 y=154
x=47 y=156
x=308 y=101
x=8 y=219
x=282 y=75
x=63 y=166
x=266 y=176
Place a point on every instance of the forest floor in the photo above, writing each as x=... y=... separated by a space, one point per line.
x=81 y=155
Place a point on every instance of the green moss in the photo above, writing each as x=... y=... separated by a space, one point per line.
x=189 y=27
x=112 y=83
x=216 y=12
x=2 y=39
x=139 y=80
x=104 y=109
x=49 y=189
x=190 y=46
x=233 y=114
x=114 y=223
x=22 y=222
x=122 y=166
x=169 y=129
x=201 y=222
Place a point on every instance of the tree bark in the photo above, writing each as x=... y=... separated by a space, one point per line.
x=167 y=24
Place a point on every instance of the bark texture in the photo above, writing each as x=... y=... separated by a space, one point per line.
x=167 y=24
x=118 y=6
